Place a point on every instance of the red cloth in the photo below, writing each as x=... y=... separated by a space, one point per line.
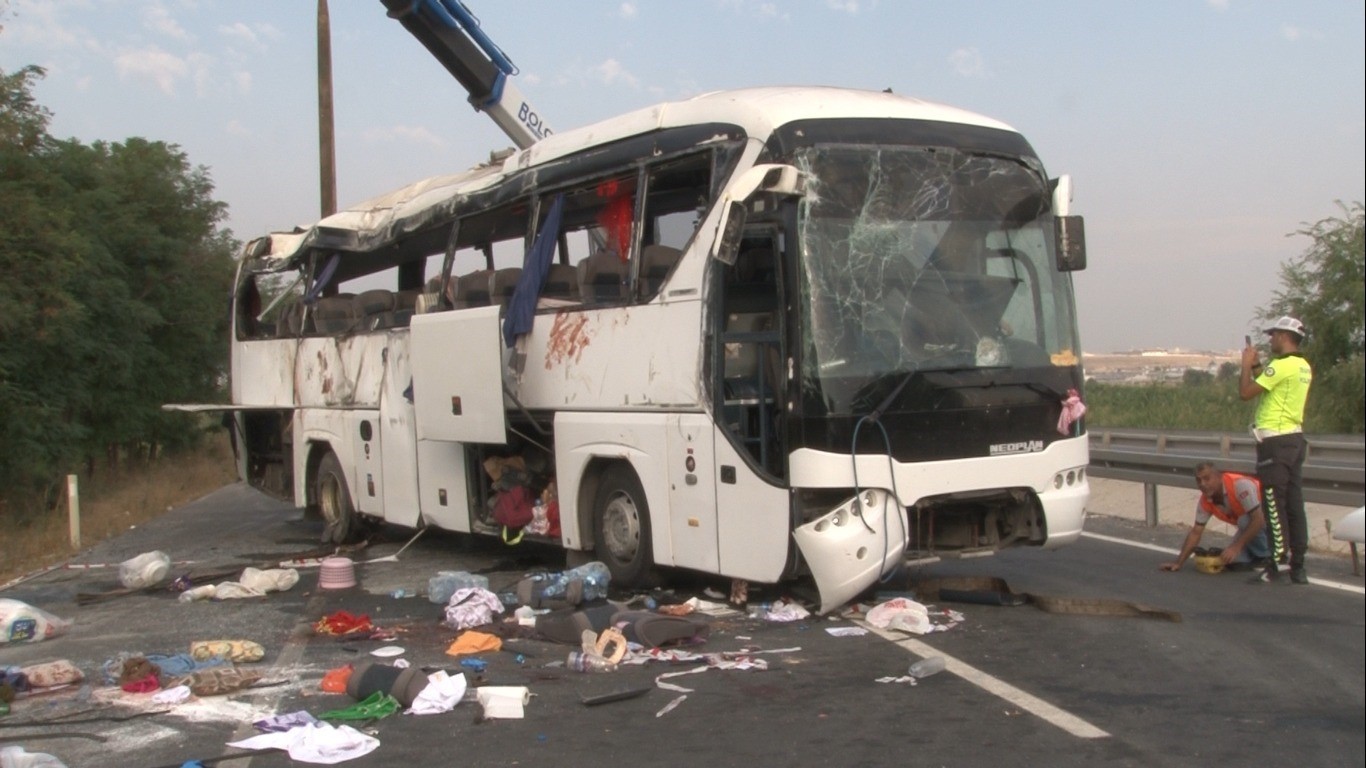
x=144 y=685
x=343 y=623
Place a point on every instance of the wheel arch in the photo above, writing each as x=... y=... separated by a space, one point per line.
x=317 y=449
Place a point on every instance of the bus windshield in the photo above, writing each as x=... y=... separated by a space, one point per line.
x=925 y=259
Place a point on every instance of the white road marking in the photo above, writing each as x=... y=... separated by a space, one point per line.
x=1354 y=589
x=1028 y=702
x=290 y=655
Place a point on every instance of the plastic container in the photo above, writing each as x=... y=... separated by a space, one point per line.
x=932 y=665
x=593 y=577
x=145 y=570
x=586 y=662
x=445 y=583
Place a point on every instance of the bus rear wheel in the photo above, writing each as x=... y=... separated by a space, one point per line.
x=621 y=527
x=333 y=499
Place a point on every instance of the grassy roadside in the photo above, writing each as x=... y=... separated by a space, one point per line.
x=112 y=505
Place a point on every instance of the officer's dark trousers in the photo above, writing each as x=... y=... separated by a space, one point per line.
x=1280 y=465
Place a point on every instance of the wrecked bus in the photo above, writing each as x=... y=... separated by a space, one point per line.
x=763 y=334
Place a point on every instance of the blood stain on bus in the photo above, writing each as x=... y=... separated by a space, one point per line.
x=568 y=339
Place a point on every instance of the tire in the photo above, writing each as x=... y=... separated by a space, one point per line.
x=621 y=527
x=333 y=499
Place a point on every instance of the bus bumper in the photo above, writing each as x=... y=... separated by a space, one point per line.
x=849 y=548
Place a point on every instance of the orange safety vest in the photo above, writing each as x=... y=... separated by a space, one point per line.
x=1231 y=498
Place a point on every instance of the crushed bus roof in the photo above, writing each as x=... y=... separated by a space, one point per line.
x=757 y=111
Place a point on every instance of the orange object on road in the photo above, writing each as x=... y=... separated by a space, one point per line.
x=335 y=679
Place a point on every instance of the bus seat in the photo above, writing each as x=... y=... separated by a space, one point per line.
x=561 y=282
x=472 y=290
x=405 y=306
x=602 y=278
x=502 y=284
x=334 y=314
x=656 y=262
x=291 y=321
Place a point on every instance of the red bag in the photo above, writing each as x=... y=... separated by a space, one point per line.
x=513 y=507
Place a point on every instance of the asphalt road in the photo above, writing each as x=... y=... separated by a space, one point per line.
x=1270 y=674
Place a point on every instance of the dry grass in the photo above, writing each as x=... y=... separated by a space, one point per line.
x=111 y=505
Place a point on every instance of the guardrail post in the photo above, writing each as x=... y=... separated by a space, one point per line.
x=1150 y=504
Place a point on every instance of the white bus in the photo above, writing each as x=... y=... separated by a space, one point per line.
x=764 y=334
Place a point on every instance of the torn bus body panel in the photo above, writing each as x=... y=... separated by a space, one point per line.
x=335 y=371
x=849 y=548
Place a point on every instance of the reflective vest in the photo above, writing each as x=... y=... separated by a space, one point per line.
x=1230 y=498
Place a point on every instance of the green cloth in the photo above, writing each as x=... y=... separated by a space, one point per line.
x=1286 y=381
x=373 y=707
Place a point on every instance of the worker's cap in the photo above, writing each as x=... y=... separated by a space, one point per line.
x=1287 y=323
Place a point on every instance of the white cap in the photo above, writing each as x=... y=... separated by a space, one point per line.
x=1287 y=323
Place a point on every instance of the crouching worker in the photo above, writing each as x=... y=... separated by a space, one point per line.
x=1237 y=500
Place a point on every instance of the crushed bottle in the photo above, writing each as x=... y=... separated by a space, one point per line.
x=930 y=665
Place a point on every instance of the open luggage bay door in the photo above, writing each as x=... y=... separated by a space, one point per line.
x=457 y=362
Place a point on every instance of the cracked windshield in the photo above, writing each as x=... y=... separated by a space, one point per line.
x=925 y=259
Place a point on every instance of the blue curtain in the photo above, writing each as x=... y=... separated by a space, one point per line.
x=521 y=310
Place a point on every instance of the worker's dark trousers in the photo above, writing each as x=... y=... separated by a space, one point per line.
x=1280 y=464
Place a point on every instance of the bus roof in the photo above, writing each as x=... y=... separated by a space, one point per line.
x=758 y=111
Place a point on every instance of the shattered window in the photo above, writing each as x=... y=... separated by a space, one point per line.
x=925 y=258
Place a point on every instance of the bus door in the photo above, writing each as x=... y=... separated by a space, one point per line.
x=456 y=359
x=398 y=435
x=749 y=382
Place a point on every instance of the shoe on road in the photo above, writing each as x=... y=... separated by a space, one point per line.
x=1268 y=575
x=1298 y=575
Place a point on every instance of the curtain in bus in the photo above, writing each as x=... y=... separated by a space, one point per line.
x=521 y=310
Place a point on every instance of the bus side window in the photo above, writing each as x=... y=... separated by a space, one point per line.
x=597 y=232
x=677 y=194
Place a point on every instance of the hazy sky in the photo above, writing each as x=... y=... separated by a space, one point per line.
x=1199 y=133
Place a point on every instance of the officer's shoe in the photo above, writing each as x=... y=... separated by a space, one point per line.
x=1298 y=575
x=1268 y=575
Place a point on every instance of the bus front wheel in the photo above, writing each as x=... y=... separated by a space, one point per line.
x=621 y=527
x=334 y=501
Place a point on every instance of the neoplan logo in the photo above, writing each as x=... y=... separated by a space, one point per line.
x=1025 y=446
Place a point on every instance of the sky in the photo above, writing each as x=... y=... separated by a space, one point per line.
x=1201 y=135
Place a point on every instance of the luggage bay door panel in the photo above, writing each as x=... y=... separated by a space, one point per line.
x=457 y=364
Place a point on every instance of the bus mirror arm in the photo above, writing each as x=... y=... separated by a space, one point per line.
x=766 y=178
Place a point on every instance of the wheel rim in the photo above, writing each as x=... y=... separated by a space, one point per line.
x=621 y=528
x=330 y=498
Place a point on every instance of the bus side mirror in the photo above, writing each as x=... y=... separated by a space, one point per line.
x=1070 y=236
x=769 y=178
x=1068 y=232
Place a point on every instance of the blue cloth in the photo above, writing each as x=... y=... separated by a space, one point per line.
x=1257 y=549
x=521 y=311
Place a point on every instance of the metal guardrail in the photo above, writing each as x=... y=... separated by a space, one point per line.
x=1334 y=470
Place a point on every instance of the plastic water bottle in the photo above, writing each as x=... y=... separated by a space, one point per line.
x=592 y=577
x=587 y=662
x=445 y=583
x=931 y=665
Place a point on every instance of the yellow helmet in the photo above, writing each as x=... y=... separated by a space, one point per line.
x=1207 y=560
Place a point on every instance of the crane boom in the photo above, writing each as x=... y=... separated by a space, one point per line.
x=452 y=34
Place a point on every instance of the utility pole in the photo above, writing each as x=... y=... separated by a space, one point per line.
x=327 y=145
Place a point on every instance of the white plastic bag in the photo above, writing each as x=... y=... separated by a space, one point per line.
x=22 y=623
x=18 y=757
x=145 y=570
x=903 y=614
x=271 y=580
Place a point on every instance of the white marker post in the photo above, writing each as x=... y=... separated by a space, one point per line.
x=73 y=499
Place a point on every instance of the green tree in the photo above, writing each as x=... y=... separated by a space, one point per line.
x=117 y=274
x=1324 y=288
